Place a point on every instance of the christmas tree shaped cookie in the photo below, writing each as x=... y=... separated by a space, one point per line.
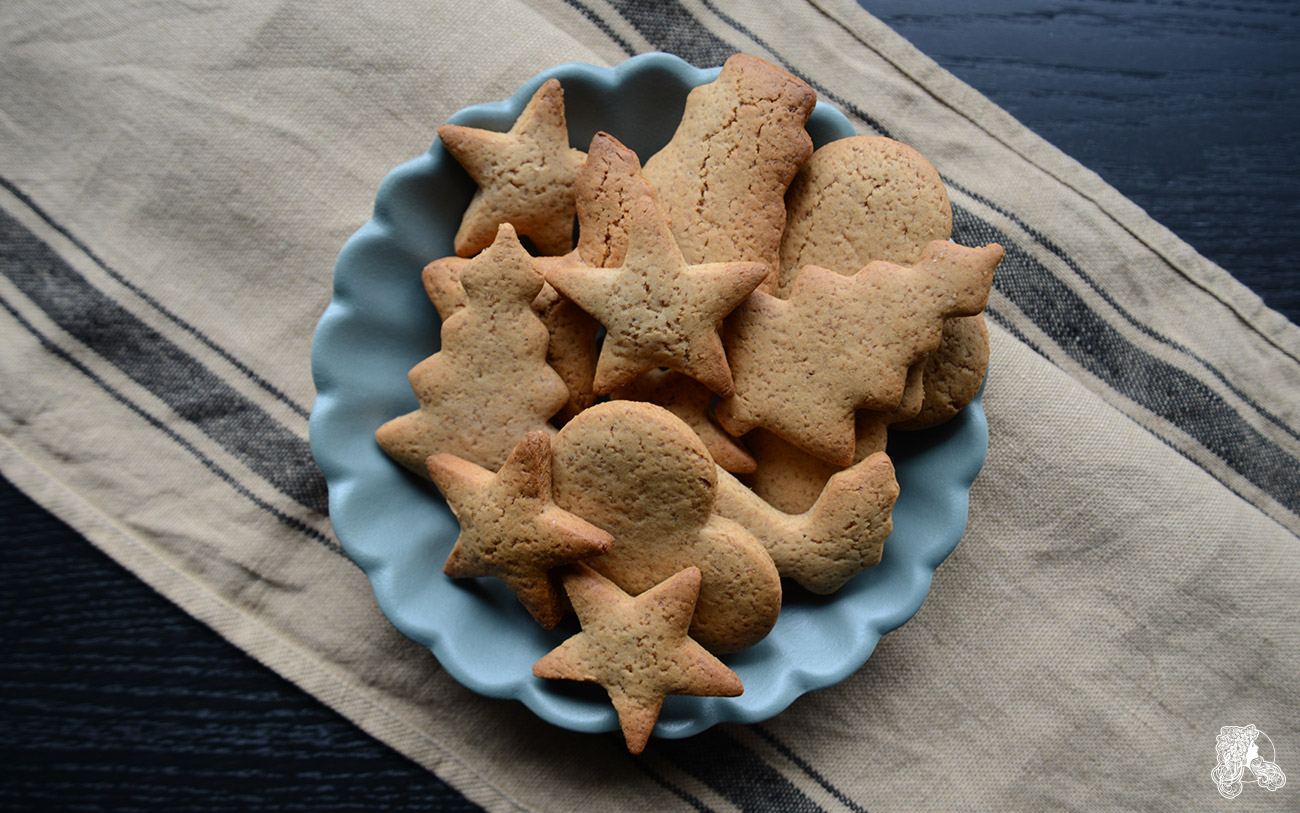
x=803 y=366
x=571 y=350
x=490 y=384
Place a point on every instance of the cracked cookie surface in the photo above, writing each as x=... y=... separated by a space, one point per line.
x=723 y=176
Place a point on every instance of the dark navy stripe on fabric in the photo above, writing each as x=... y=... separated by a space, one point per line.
x=659 y=779
x=735 y=772
x=1014 y=330
x=1158 y=386
x=1042 y=240
x=803 y=765
x=208 y=463
x=196 y=393
x=604 y=27
x=244 y=369
x=672 y=29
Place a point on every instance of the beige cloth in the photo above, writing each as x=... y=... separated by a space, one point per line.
x=178 y=179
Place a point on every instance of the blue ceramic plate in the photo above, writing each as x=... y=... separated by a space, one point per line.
x=380 y=324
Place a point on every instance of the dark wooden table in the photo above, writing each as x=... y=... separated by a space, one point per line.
x=111 y=697
x=1188 y=108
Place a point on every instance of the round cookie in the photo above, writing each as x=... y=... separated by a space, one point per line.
x=860 y=199
x=689 y=400
x=638 y=472
x=868 y=198
x=953 y=374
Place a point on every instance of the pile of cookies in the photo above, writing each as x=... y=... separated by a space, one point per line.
x=656 y=425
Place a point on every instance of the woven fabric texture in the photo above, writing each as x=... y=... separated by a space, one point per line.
x=175 y=185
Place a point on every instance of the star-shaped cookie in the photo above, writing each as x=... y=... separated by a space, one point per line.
x=804 y=365
x=637 y=648
x=657 y=310
x=525 y=176
x=510 y=528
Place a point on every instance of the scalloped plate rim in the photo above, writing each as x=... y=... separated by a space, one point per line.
x=335 y=416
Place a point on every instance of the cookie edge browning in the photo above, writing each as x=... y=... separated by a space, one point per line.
x=638 y=715
x=551 y=231
x=464 y=484
x=682 y=157
x=741 y=552
x=832 y=541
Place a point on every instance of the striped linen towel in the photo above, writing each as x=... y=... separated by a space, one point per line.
x=175 y=184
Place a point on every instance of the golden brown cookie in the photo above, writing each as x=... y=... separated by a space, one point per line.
x=637 y=648
x=490 y=384
x=510 y=527
x=689 y=400
x=640 y=473
x=659 y=311
x=571 y=349
x=441 y=280
x=861 y=199
x=803 y=366
x=953 y=374
x=791 y=480
x=722 y=178
x=607 y=186
x=868 y=198
x=842 y=534
x=525 y=176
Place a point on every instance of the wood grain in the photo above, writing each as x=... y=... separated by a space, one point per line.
x=1188 y=108
x=112 y=697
